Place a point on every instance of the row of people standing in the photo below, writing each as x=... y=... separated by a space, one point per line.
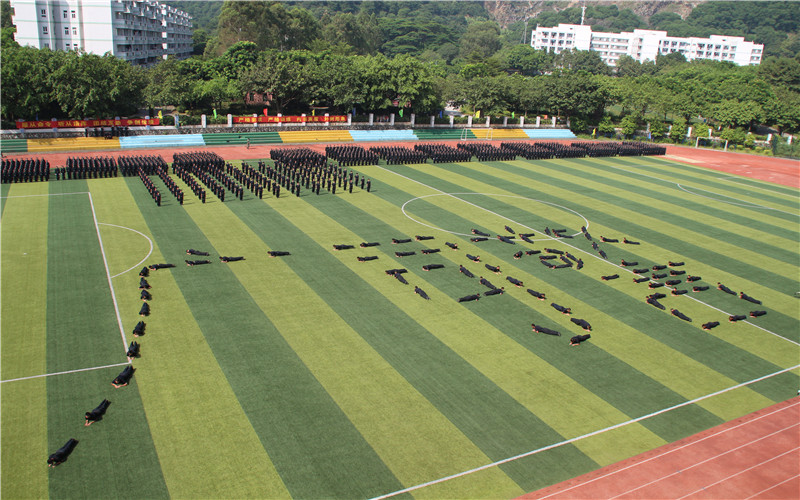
x=25 y=170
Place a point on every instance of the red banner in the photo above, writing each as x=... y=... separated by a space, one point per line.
x=127 y=122
x=288 y=119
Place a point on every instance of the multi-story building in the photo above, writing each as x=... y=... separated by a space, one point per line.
x=140 y=31
x=645 y=45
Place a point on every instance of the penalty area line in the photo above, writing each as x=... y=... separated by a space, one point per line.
x=64 y=373
x=578 y=438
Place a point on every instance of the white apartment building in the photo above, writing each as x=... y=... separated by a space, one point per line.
x=140 y=31
x=645 y=45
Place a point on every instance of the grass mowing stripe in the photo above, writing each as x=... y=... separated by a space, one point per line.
x=776 y=195
x=82 y=331
x=23 y=288
x=660 y=206
x=386 y=410
x=770 y=340
x=781 y=302
x=755 y=214
x=282 y=399
x=782 y=323
x=721 y=210
x=187 y=418
x=623 y=217
x=468 y=399
x=709 y=358
x=512 y=364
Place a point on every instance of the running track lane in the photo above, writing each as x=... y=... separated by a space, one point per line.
x=755 y=456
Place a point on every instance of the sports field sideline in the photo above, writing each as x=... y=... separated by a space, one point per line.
x=315 y=375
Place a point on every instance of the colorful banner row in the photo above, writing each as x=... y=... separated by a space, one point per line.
x=127 y=122
x=289 y=119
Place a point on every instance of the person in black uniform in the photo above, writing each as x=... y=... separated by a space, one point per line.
x=133 y=351
x=428 y=251
x=145 y=295
x=725 y=289
x=454 y=246
x=231 y=259
x=541 y=329
x=494 y=291
x=517 y=283
x=755 y=314
x=192 y=263
x=367 y=258
x=96 y=415
x=468 y=298
x=145 y=310
x=748 y=298
x=144 y=272
x=561 y=309
x=396 y=241
x=680 y=315
x=276 y=253
x=404 y=254
x=577 y=339
x=419 y=291
x=536 y=294
x=494 y=269
x=371 y=244
x=465 y=271
x=736 y=317
x=428 y=267
x=474 y=258
x=699 y=288
x=655 y=303
x=477 y=239
x=609 y=277
x=342 y=247
x=124 y=377
x=60 y=456
x=143 y=284
x=582 y=323
x=138 y=330
x=192 y=251
x=710 y=325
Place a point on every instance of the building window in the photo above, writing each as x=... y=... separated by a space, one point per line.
x=47 y=45
x=75 y=46
x=73 y=15
x=65 y=14
x=66 y=30
x=44 y=12
x=75 y=30
x=44 y=30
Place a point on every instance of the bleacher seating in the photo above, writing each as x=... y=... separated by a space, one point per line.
x=441 y=134
x=316 y=136
x=14 y=146
x=224 y=139
x=71 y=144
x=549 y=133
x=499 y=133
x=382 y=135
x=161 y=141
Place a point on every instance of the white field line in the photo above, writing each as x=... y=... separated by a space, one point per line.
x=49 y=194
x=677 y=448
x=563 y=242
x=751 y=205
x=578 y=438
x=709 y=459
x=108 y=275
x=793 y=450
x=772 y=487
x=64 y=373
x=137 y=232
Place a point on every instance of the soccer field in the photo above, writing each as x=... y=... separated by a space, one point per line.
x=317 y=376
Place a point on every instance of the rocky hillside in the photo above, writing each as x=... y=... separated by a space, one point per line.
x=506 y=12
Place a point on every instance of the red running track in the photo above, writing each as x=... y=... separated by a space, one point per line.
x=756 y=456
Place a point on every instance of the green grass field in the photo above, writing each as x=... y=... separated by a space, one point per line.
x=317 y=376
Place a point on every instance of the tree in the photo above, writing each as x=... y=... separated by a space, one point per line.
x=582 y=60
x=629 y=126
x=199 y=40
x=571 y=94
x=480 y=41
x=490 y=95
x=278 y=74
x=168 y=86
x=678 y=132
x=526 y=60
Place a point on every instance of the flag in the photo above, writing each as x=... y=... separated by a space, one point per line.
x=266 y=111
x=160 y=116
x=513 y=115
x=594 y=132
x=215 y=113
x=401 y=112
x=478 y=114
x=313 y=112
x=441 y=113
